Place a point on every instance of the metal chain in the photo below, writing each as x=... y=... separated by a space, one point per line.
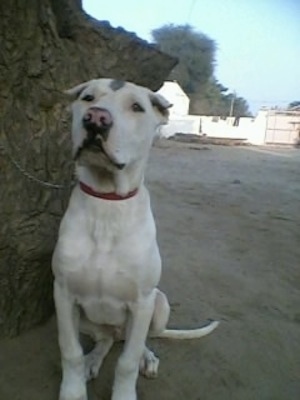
x=31 y=177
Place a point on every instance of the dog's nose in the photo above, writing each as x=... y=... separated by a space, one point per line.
x=97 y=118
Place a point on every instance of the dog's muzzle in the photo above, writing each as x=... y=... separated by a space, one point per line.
x=97 y=123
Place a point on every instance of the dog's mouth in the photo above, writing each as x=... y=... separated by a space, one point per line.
x=94 y=143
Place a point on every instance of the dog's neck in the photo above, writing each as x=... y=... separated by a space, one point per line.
x=119 y=182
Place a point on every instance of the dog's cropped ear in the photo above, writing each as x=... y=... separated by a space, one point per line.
x=75 y=91
x=162 y=105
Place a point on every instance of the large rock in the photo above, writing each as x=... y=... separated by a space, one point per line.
x=48 y=46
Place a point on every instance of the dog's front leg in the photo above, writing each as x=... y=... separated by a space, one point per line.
x=73 y=385
x=128 y=364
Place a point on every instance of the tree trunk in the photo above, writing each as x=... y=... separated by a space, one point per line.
x=48 y=46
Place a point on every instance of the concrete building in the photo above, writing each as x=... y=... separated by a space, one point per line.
x=173 y=92
x=180 y=121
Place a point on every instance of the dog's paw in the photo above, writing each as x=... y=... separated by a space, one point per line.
x=149 y=364
x=92 y=363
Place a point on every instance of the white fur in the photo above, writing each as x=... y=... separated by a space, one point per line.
x=106 y=262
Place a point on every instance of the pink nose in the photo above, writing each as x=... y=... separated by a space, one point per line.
x=98 y=117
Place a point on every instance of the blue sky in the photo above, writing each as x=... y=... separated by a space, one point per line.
x=258 y=41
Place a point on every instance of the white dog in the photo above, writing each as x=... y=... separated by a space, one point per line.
x=106 y=262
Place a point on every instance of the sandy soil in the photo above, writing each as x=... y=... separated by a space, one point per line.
x=229 y=231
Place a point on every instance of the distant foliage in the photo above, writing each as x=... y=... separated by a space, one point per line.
x=195 y=70
x=195 y=51
x=294 y=104
x=214 y=99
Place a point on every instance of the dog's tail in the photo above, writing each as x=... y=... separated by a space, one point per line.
x=188 y=333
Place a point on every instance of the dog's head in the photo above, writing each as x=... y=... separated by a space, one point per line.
x=114 y=122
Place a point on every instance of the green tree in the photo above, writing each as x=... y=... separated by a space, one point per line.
x=195 y=51
x=240 y=107
x=294 y=104
x=195 y=70
x=213 y=99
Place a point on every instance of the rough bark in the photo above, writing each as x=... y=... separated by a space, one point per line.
x=48 y=46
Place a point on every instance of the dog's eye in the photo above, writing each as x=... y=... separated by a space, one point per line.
x=136 y=107
x=88 y=97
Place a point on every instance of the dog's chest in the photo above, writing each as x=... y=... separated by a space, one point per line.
x=113 y=275
x=107 y=259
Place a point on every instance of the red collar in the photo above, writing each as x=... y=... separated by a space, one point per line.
x=106 y=196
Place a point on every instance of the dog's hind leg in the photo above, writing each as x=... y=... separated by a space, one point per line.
x=161 y=314
x=104 y=340
x=160 y=318
x=94 y=359
x=149 y=364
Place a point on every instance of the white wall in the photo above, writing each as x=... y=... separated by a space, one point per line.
x=188 y=124
x=258 y=133
x=219 y=128
x=249 y=129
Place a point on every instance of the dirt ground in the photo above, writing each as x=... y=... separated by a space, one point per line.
x=228 y=222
